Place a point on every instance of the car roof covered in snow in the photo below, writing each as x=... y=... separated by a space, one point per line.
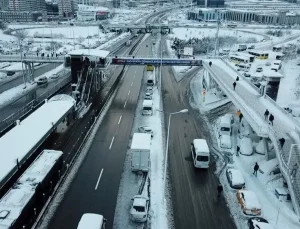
x=89 y=52
x=141 y=141
x=237 y=177
x=90 y=221
x=147 y=103
x=250 y=199
x=200 y=146
x=139 y=201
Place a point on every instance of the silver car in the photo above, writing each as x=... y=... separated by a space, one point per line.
x=146 y=129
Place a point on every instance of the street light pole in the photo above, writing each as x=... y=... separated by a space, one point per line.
x=167 y=148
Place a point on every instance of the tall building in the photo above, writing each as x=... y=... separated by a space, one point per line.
x=4 y=4
x=27 y=5
x=65 y=8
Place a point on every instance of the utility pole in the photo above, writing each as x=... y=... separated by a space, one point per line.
x=217 y=34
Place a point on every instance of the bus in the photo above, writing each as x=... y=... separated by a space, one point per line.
x=239 y=59
x=259 y=54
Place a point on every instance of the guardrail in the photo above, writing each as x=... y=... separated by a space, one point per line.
x=10 y=120
x=31 y=58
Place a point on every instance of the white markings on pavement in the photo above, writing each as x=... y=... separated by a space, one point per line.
x=128 y=92
x=112 y=141
x=99 y=178
x=125 y=103
x=120 y=120
x=131 y=84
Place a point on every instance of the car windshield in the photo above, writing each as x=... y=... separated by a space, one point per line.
x=139 y=208
x=202 y=158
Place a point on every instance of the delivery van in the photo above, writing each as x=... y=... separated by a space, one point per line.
x=200 y=153
x=140 y=152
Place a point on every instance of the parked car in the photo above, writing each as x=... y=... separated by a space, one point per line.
x=150 y=91
x=148 y=96
x=249 y=202
x=139 y=208
x=259 y=223
x=275 y=170
x=251 y=47
x=268 y=64
x=246 y=147
x=42 y=80
x=146 y=129
x=235 y=178
x=225 y=141
x=10 y=73
x=246 y=74
x=54 y=76
x=259 y=69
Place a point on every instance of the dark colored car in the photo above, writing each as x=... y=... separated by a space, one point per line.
x=254 y=221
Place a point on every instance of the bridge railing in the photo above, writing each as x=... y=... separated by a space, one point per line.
x=30 y=58
x=7 y=122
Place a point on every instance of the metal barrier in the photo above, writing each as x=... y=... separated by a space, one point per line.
x=9 y=121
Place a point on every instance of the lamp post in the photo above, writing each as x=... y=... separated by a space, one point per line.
x=167 y=147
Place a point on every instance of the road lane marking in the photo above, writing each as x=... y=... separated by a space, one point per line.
x=128 y=92
x=120 y=120
x=99 y=179
x=131 y=84
x=125 y=103
x=112 y=141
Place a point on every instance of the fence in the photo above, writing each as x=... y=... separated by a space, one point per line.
x=10 y=120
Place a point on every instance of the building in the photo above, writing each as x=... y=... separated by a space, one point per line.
x=27 y=5
x=262 y=5
x=65 y=9
x=92 y=13
x=210 y=3
x=52 y=11
x=4 y=4
x=21 y=16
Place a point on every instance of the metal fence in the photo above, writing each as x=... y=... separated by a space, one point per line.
x=10 y=120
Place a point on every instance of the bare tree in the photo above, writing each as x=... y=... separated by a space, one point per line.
x=21 y=36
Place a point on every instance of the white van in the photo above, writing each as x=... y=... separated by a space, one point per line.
x=147 y=107
x=225 y=126
x=200 y=153
x=243 y=67
x=91 y=221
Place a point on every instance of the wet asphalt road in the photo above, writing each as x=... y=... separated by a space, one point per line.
x=194 y=191
x=107 y=154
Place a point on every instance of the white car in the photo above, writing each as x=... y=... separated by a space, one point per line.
x=150 y=91
x=139 y=209
x=225 y=141
x=146 y=129
x=54 y=76
x=259 y=69
x=246 y=147
x=148 y=96
x=235 y=178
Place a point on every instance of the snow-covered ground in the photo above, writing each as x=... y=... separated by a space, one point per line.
x=128 y=15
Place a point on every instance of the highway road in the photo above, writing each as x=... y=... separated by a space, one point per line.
x=19 y=80
x=95 y=187
x=194 y=191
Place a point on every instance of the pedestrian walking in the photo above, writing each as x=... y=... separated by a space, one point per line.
x=237 y=78
x=266 y=114
x=271 y=119
x=281 y=141
x=234 y=85
x=220 y=189
x=237 y=151
x=294 y=170
x=52 y=54
x=241 y=116
x=24 y=54
x=37 y=54
x=56 y=55
x=47 y=55
x=210 y=63
x=256 y=168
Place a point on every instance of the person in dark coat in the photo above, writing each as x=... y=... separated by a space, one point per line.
x=266 y=114
x=271 y=119
x=237 y=151
x=210 y=63
x=234 y=85
x=256 y=168
x=237 y=78
x=37 y=54
x=56 y=55
x=281 y=141
x=241 y=116
x=220 y=190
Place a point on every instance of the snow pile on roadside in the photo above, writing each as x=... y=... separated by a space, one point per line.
x=111 y=42
x=16 y=67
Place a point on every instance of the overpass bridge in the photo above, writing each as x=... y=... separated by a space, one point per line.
x=253 y=105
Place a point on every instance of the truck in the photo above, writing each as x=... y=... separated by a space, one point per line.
x=150 y=79
x=140 y=152
x=150 y=68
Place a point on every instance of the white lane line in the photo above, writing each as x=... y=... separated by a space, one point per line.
x=128 y=92
x=112 y=141
x=120 y=120
x=125 y=103
x=99 y=179
x=131 y=84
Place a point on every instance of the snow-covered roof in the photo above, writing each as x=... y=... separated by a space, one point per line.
x=250 y=199
x=20 y=141
x=90 y=52
x=139 y=201
x=141 y=141
x=82 y=7
x=201 y=146
x=16 y=199
x=147 y=103
x=90 y=221
x=237 y=177
x=272 y=74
